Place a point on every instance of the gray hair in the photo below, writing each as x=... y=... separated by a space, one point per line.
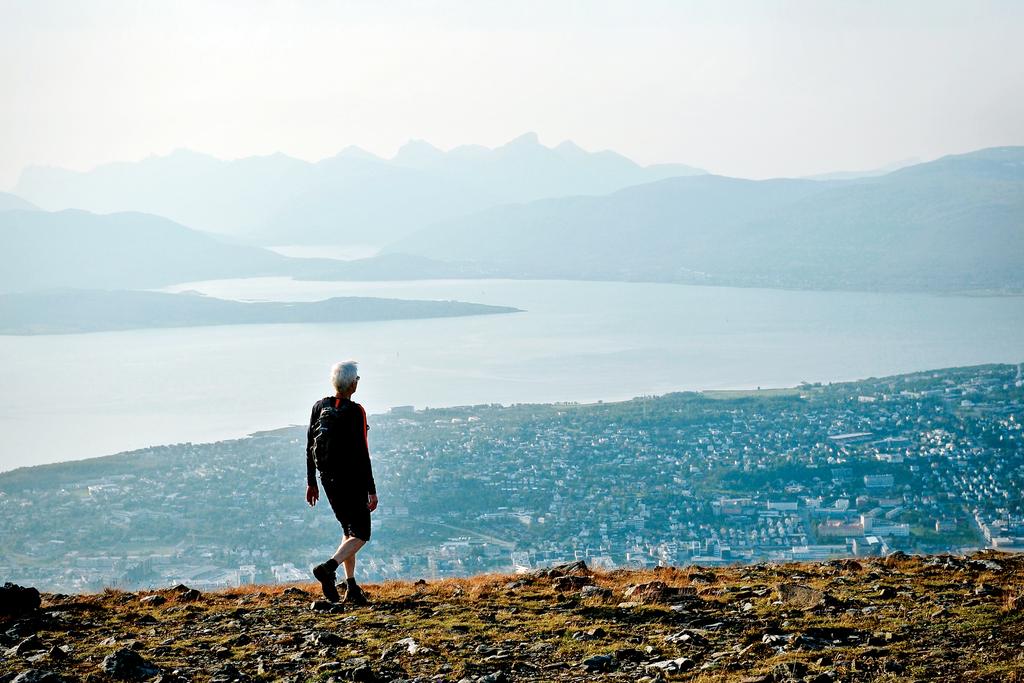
x=344 y=374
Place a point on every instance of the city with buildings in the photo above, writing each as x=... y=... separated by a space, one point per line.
x=927 y=462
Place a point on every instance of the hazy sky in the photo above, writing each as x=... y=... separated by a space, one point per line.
x=750 y=89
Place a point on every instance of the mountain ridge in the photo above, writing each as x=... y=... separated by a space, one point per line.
x=131 y=250
x=12 y=202
x=956 y=223
x=283 y=200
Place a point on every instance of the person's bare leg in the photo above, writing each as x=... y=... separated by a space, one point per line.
x=350 y=565
x=348 y=548
x=346 y=556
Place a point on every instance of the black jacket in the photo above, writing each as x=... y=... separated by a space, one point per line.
x=355 y=473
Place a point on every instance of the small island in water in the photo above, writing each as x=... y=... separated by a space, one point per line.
x=72 y=311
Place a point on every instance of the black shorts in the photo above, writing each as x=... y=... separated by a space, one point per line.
x=349 y=507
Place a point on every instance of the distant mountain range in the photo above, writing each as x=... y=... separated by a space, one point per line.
x=870 y=173
x=353 y=197
x=73 y=248
x=10 y=202
x=954 y=223
x=77 y=249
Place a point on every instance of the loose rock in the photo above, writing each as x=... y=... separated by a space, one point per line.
x=38 y=676
x=15 y=599
x=30 y=644
x=798 y=596
x=228 y=673
x=564 y=584
x=323 y=606
x=577 y=568
x=595 y=592
x=128 y=665
x=589 y=634
x=658 y=591
x=400 y=647
x=672 y=665
x=599 y=663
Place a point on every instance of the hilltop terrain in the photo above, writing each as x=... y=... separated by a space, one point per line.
x=895 y=619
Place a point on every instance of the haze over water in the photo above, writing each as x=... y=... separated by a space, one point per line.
x=575 y=341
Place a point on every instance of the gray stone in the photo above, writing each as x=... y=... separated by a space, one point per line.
x=893 y=559
x=356 y=669
x=599 y=663
x=38 y=676
x=323 y=606
x=672 y=665
x=493 y=677
x=595 y=592
x=30 y=644
x=128 y=665
x=989 y=565
x=823 y=677
x=800 y=597
x=687 y=638
x=324 y=639
x=590 y=634
x=570 y=582
x=658 y=591
x=228 y=673
x=577 y=568
x=404 y=646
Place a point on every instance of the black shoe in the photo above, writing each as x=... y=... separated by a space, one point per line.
x=354 y=595
x=325 y=575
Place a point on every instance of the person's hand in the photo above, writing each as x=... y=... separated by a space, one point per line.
x=372 y=502
x=312 y=495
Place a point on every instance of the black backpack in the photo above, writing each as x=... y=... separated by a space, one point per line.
x=329 y=438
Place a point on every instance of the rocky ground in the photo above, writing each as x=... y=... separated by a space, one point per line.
x=895 y=619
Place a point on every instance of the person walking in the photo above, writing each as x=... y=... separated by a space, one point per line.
x=337 y=447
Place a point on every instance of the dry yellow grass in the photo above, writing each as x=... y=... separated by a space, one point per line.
x=883 y=620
